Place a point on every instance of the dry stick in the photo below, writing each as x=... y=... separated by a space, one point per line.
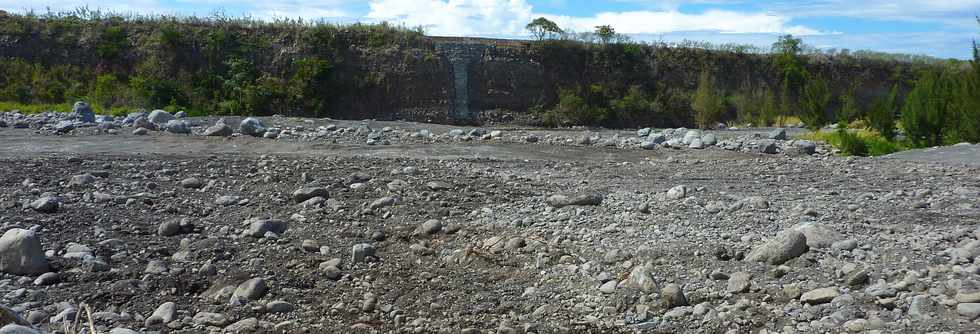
x=78 y=318
x=91 y=325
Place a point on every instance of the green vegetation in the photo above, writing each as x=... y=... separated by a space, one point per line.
x=541 y=28
x=814 y=103
x=221 y=65
x=857 y=142
x=214 y=65
x=707 y=103
x=925 y=116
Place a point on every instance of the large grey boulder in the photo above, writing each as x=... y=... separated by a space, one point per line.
x=252 y=126
x=64 y=126
x=767 y=147
x=46 y=204
x=818 y=235
x=160 y=117
x=178 y=126
x=783 y=247
x=21 y=254
x=219 y=129
x=252 y=289
x=709 y=139
x=777 y=134
x=690 y=135
x=804 y=147
x=82 y=112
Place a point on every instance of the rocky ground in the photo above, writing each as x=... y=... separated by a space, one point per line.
x=331 y=226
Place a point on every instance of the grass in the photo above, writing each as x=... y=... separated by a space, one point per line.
x=38 y=108
x=876 y=144
x=783 y=121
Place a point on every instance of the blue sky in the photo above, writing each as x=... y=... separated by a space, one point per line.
x=941 y=28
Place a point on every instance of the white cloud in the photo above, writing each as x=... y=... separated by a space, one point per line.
x=958 y=13
x=656 y=22
x=508 y=17
x=456 y=17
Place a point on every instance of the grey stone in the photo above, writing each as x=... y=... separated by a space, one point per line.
x=64 y=126
x=767 y=147
x=219 y=129
x=739 y=282
x=438 y=185
x=81 y=180
x=21 y=254
x=210 y=319
x=192 y=183
x=46 y=204
x=178 y=126
x=120 y=330
x=696 y=144
x=709 y=139
x=690 y=135
x=249 y=325
x=8 y=316
x=259 y=227
x=673 y=296
x=303 y=194
x=279 y=306
x=777 y=134
x=227 y=200
x=819 y=296
x=643 y=132
x=252 y=126
x=783 y=247
x=164 y=314
x=18 y=329
x=657 y=138
x=968 y=310
x=82 y=112
x=804 y=147
x=141 y=131
x=47 y=279
x=563 y=200
x=252 y=289
x=608 y=287
x=361 y=252
x=159 y=117
x=921 y=308
x=429 y=227
x=677 y=192
x=818 y=235
x=641 y=278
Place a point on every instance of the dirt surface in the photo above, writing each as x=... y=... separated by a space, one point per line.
x=481 y=236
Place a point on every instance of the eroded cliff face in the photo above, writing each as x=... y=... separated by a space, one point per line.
x=386 y=74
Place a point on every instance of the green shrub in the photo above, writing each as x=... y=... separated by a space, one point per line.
x=113 y=43
x=881 y=115
x=574 y=107
x=708 y=104
x=927 y=109
x=814 y=102
x=634 y=107
x=849 y=143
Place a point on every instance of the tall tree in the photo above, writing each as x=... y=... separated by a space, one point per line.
x=927 y=107
x=793 y=75
x=814 y=102
x=542 y=28
x=606 y=33
x=707 y=104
